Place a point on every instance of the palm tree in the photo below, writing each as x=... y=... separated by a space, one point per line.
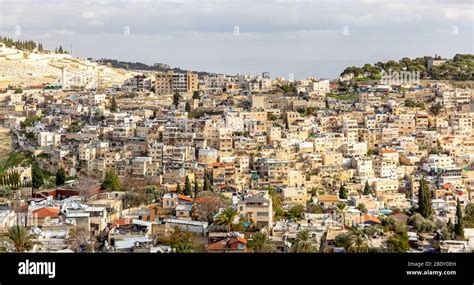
x=357 y=241
x=341 y=210
x=21 y=238
x=260 y=243
x=185 y=247
x=226 y=218
x=276 y=199
x=304 y=242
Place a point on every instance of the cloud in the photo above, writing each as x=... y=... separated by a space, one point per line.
x=280 y=35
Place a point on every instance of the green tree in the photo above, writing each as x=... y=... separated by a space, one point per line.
x=295 y=212
x=424 y=199
x=398 y=243
x=459 y=223
x=37 y=176
x=304 y=242
x=130 y=199
x=187 y=186
x=187 y=108
x=448 y=231
x=185 y=247
x=152 y=194
x=60 y=176
x=176 y=99
x=178 y=188
x=421 y=224
x=196 y=187
x=113 y=105
x=436 y=109
x=111 y=181
x=182 y=241
x=60 y=50
x=197 y=94
x=367 y=189
x=226 y=218
x=342 y=192
x=21 y=238
x=207 y=185
x=361 y=207
x=276 y=200
x=469 y=215
x=261 y=243
x=410 y=103
x=357 y=241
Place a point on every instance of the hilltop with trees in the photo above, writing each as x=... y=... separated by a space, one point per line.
x=127 y=65
x=460 y=67
x=27 y=45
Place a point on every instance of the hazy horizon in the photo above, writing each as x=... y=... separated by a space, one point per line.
x=306 y=38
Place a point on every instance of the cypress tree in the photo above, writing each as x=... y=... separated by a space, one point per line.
x=459 y=223
x=113 y=105
x=343 y=192
x=187 y=186
x=367 y=189
x=207 y=186
x=111 y=181
x=37 y=177
x=178 y=188
x=196 y=187
x=176 y=98
x=424 y=199
x=60 y=176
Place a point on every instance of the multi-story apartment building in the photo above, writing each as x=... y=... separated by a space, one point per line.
x=406 y=124
x=48 y=139
x=454 y=98
x=143 y=166
x=257 y=208
x=137 y=83
x=385 y=186
x=87 y=152
x=385 y=168
x=438 y=161
x=365 y=169
x=273 y=169
x=350 y=130
x=167 y=83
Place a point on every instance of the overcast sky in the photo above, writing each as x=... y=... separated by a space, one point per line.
x=304 y=37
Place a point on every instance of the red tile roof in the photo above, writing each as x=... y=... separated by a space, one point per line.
x=447 y=186
x=121 y=222
x=382 y=151
x=224 y=244
x=46 y=212
x=184 y=197
x=367 y=218
x=239 y=239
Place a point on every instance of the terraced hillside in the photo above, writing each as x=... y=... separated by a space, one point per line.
x=6 y=144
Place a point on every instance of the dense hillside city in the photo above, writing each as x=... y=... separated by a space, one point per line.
x=111 y=156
